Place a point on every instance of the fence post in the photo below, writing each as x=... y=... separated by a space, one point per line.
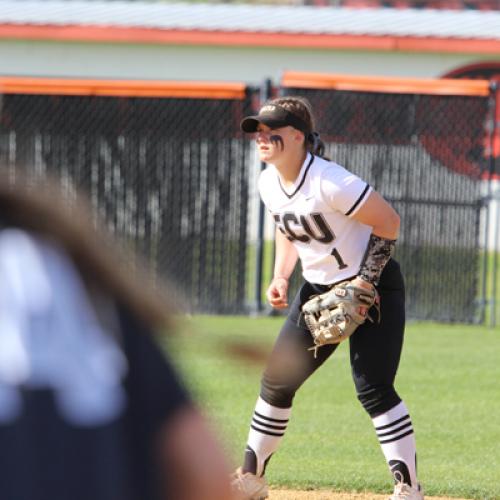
x=488 y=297
x=265 y=94
x=494 y=198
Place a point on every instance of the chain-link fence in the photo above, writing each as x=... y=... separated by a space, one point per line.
x=169 y=175
x=174 y=177
x=425 y=154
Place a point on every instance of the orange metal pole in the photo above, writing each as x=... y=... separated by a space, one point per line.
x=385 y=84
x=125 y=88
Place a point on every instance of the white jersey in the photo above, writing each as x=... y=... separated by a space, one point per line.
x=315 y=214
x=50 y=337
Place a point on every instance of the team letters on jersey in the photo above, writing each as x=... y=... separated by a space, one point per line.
x=322 y=232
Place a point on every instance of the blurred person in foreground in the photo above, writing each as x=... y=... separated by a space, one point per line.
x=90 y=407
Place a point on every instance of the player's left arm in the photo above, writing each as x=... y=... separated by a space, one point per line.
x=352 y=196
x=379 y=214
x=384 y=220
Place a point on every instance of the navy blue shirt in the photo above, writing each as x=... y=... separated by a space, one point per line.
x=81 y=401
x=43 y=457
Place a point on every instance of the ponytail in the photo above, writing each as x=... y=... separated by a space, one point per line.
x=315 y=145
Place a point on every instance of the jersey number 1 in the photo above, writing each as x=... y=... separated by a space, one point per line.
x=316 y=228
x=338 y=258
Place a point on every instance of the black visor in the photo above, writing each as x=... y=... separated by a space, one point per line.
x=273 y=116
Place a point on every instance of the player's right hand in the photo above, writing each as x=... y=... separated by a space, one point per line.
x=277 y=293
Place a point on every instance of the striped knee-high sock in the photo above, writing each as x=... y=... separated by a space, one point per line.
x=266 y=432
x=395 y=434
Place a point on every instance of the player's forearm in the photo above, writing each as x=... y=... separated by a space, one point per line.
x=380 y=249
x=388 y=228
x=378 y=253
x=286 y=256
x=384 y=221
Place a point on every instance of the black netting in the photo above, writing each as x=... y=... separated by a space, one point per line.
x=173 y=177
x=425 y=154
x=169 y=175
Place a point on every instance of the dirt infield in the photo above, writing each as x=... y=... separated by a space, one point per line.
x=332 y=495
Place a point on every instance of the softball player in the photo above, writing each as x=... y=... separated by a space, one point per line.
x=340 y=229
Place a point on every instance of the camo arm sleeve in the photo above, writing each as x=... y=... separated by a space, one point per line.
x=378 y=253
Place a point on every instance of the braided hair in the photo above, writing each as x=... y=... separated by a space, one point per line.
x=301 y=107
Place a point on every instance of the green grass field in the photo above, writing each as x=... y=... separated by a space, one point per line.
x=449 y=378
